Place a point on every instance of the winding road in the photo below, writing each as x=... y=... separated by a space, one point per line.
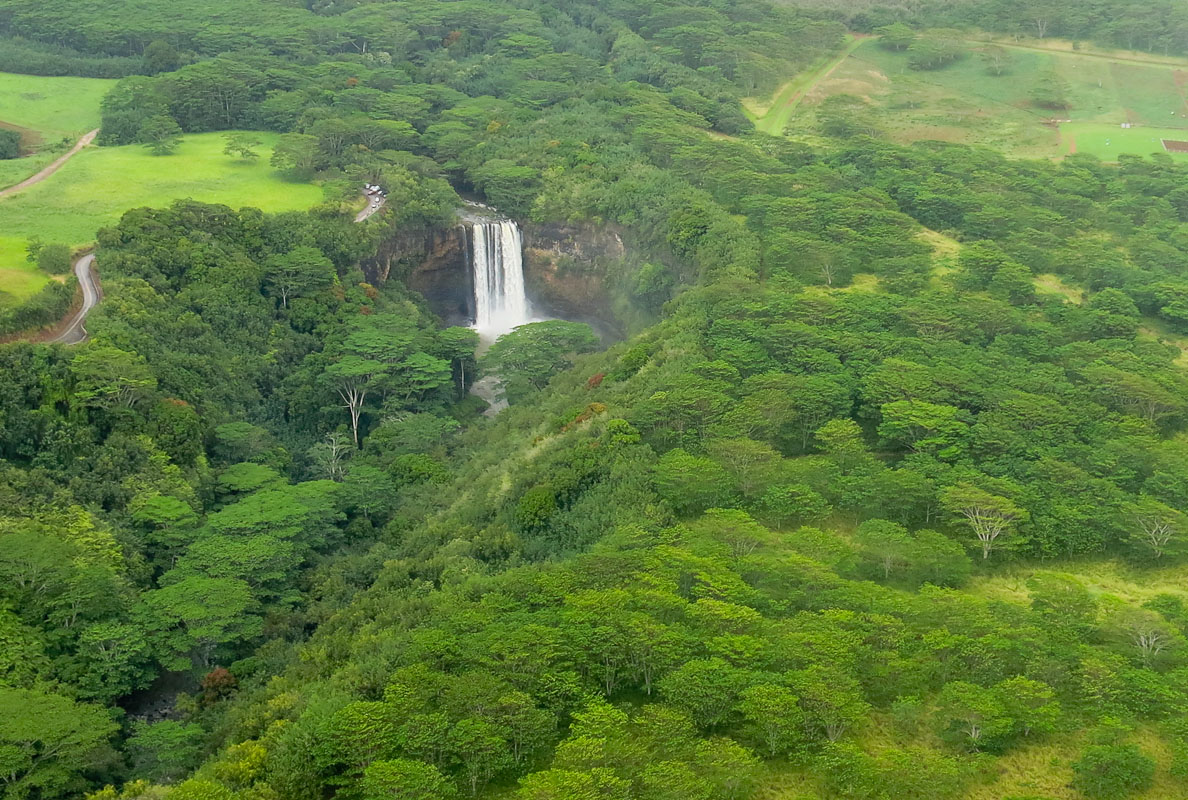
x=74 y=333
x=374 y=203
x=52 y=168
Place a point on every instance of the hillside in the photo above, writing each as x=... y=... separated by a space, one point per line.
x=878 y=496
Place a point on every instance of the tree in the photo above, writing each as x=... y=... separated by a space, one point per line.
x=691 y=484
x=300 y=271
x=706 y=689
x=1112 y=771
x=243 y=145
x=970 y=715
x=527 y=357
x=924 y=427
x=46 y=740
x=54 y=258
x=996 y=58
x=459 y=345
x=896 y=36
x=353 y=378
x=1158 y=529
x=479 y=749
x=990 y=516
x=1031 y=705
x=1150 y=636
x=831 y=700
x=295 y=153
x=599 y=783
x=188 y=620
x=404 y=779
x=934 y=49
x=165 y=751
x=107 y=377
x=160 y=133
x=1050 y=91
x=887 y=544
x=773 y=715
x=160 y=56
x=795 y=504
x=10 y=144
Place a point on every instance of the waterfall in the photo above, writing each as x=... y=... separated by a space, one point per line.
x=497 y=262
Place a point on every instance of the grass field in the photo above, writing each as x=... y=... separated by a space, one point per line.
x=99 y=184
x=1107 y=142
x=965 y=103
x=53 y=107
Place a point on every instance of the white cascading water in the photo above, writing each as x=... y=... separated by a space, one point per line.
x=497 y=261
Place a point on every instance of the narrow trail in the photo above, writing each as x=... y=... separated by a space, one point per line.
x=52 y=168
x=788 y=96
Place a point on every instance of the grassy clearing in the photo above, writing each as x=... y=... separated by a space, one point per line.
x=53 y=107
x=99 y=184
x=1054 y=284
x=1113 y=577
x=961 y=103
x=965 y=103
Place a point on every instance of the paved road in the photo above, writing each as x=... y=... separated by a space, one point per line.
x=75 y=332
x=52 y=168
x=374 y=204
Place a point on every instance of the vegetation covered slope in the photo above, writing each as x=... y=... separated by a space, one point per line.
x=258 y=544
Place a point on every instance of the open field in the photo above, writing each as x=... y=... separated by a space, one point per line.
x=965 y=103
x=55 y=108
x=1107 y=142
x=99 y=184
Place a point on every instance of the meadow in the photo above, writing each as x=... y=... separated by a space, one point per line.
x=100 y=183
x=54 y=108
x=966 y=103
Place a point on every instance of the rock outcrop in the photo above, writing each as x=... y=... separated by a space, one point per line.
x=565 y=270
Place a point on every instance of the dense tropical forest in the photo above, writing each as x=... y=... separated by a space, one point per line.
x=828 y=520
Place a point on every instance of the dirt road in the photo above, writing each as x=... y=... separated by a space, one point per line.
x=52 y=168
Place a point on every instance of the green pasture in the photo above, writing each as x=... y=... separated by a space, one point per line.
x=1107 y=141
x=965 y=102
x=53 y=107
x=99 y=184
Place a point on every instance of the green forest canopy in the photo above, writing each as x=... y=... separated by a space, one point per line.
x=258 y=542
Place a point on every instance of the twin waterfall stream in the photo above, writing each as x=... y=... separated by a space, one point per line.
x=497 y=265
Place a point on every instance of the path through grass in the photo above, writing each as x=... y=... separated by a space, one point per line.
x=773 y=116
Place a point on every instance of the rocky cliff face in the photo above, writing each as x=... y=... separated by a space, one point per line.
x=433 y=263
x=565 y=269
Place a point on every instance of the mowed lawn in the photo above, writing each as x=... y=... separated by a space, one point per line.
x=1107 y=141
x=99 y=184
x=54 y=107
